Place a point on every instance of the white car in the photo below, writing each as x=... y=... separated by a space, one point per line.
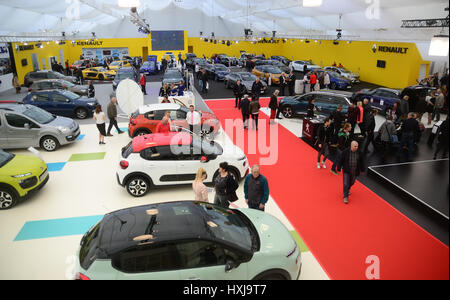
x=354 y=78
x=174 y=158
x=298 y=65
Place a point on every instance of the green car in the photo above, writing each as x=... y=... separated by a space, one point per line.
x=20 y=177
x=188 y=240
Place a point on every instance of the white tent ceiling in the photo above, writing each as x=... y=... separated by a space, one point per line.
x=287 y=17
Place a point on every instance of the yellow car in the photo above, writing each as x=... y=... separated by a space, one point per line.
x=264 y=71
x=99 y=73
x=116 y=65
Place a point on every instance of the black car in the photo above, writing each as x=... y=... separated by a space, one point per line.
x=193 y=61
x=246 y=78
x=31 y=77
x=416 y=93
x=284 y=60
x=172 y=76
x=124 y=73
x=228 y=61
x=217 y=71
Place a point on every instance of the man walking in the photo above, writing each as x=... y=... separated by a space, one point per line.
x=238 y=93
x=256 y=189
x=256 y=89
x=410 y=130
x=343 y=142
x=404 y=108
x=438 y=105
x=324 y=136
x=244 y=106
x=370 y=129
x=112 y=115
x=352 y=165
x=291 y=83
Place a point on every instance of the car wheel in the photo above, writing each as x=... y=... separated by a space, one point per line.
x=8 y=198
x=141 y=132
x=81 y=113
x=100 y=77
x=49 y=143
x=287 y=112
x=333 y=86
x=138 y=186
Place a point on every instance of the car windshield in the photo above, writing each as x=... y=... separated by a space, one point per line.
x=124 y=75
x=115 y=63
x=78 y=62
x=248 y=77
x=39 y=115
x=207 y=147
x=228 y=225
x=334 y=74
x=5 y=157
x=70 y=95
x=273 y=70
x=221 y=68
x=68 y=84
x=55 y=75
x=172 y=74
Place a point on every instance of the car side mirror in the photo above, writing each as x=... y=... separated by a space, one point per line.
x=26 y=126
x=230 y=265
x=68 y=100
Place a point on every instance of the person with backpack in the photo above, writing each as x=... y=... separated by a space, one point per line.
x=388 y=134
x=225 y=186
x=343 y=143
x=254 y=108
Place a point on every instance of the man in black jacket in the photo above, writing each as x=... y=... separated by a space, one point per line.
x=244 y=106
x=283 y=84
x=291 y=83
x=112 y=115
x=238 y=93
x=410 y=131
x=442 y=140
x=352 y=164
x=338 y=119
x=370 y=129
x=256 y=89
x=324 y=135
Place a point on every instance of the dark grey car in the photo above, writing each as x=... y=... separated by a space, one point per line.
x=57 y=84
x=172 y=76
x=31 y=77
x=23 y=126
x=125 y=73
x=246 y=79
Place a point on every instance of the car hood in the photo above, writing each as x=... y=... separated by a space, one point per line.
x=249 y=84
x=230 y=149
x=289 y=100
x=273 y=235
x=84 y=100
x=63 y=121
x=23 y=164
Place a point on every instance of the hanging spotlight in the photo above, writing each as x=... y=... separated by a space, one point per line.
x=312 y=3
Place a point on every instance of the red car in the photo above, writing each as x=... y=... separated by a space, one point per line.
x=146 y=119
x=80 y=64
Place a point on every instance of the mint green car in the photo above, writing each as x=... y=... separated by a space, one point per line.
x=20 y=177
x=188 y=240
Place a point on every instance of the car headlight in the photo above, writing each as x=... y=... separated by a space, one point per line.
x=22 y=175
x=63 y=129
x=91 y=103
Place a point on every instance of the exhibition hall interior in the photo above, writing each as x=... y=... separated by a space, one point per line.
x=224 y=140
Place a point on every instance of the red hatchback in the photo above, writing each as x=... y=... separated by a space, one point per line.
x=146 y=119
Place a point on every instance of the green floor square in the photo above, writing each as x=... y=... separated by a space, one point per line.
x=87 y=156
x=299 y=241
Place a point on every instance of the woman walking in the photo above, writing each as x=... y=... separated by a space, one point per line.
x=200 y=190
x=310 y=108
x=225 y=186
x=254 y=111
x=100 y=120
x=273 y=105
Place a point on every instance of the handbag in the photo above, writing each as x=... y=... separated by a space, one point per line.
x=232 y=197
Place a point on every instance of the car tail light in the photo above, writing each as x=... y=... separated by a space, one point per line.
x=124 y=164
x=80 y=276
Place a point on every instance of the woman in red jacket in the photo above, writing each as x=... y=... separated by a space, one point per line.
x=143 y=82
x=360 y=117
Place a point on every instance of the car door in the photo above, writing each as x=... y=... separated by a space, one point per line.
x=91 y=74
x=302 y=102
x=206 y=260
x=377 y=99
x=187 y=164
x=63 y=106
x=160 y=164
x=41 y=100
x=148 y=262
x=3 y=132
x=19 y=135
x=324 y=104
x=390 y=98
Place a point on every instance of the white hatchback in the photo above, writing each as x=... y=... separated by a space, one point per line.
x=174 y=158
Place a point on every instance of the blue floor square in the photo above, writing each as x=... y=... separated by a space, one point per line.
x=81 y=137
x=55 y=167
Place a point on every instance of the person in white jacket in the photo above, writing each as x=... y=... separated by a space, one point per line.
x=326 y=80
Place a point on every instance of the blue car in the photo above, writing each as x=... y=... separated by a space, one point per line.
x=62 y=103
x=325 y=102
x=381 y=98
x=150 y=67
x=337 y=82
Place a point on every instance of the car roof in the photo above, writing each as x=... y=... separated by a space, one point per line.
x=334 y=93
x=158 y=106
x=390 y=90
x=48 y=91
x=160 y=139
x=12 y=106
x=131 y=227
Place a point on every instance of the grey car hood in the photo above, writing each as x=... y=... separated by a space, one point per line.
x=62 y=121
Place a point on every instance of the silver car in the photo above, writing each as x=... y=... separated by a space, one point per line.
x=56 y=84
x=23 y=126
x=354 y=78
x=246 y=79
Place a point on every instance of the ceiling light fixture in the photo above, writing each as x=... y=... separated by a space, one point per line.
x=439 y=46
x=312 y=3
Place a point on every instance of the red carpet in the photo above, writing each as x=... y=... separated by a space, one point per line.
x=341 y=236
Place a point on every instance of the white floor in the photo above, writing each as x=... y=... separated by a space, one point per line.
x=83 y=189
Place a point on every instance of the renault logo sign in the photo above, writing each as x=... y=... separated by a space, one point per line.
x=374 y=48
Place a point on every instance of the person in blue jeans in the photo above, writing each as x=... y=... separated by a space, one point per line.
x=256 y=189
x=410 y=130
x=343 y=142
x=351 y=163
